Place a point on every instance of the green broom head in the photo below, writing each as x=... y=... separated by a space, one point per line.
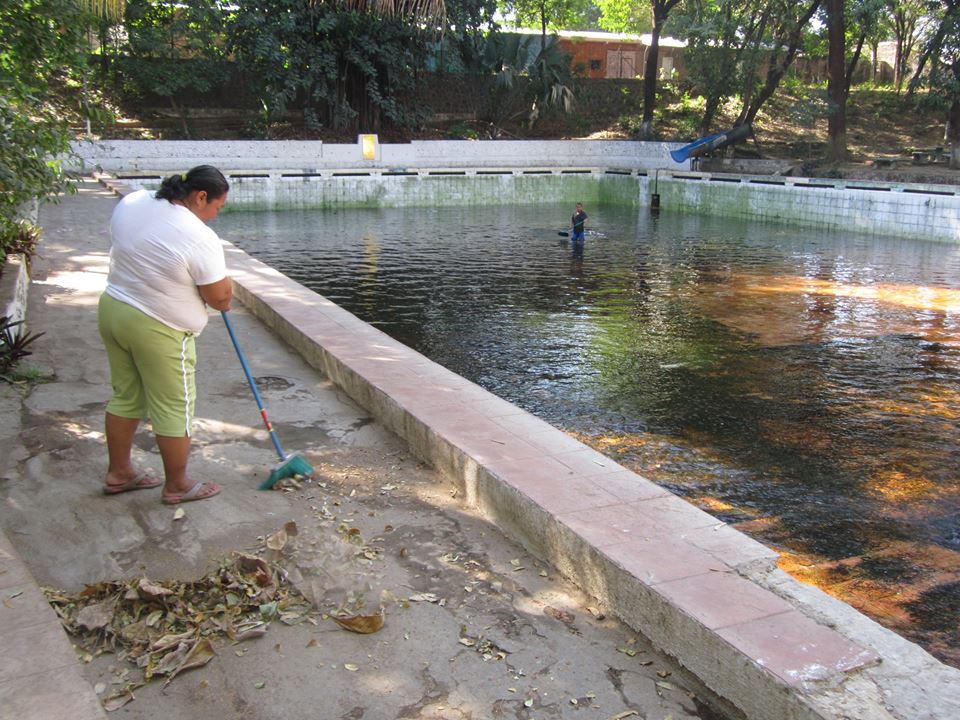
x=292 y=466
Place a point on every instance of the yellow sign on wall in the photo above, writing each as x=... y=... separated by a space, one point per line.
x=368 y=144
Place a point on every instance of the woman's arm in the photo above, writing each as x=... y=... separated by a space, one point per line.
x=217 y=295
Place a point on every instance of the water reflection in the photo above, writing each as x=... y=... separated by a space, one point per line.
x=799 y=385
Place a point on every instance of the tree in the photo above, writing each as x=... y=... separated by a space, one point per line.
x=173 y=47
x=43 y=43
x=348 y=69
x=719 y=35
x=552 y=14
x=514 y=58
x=861 y=17
x=942 y=51
x=837 y=88
x=905 y=15
x=631 y=16
x=782 y=24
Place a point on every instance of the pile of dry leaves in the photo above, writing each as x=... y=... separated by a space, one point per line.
x=168 y=627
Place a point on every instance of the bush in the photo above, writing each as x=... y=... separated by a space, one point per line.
x=42 y=43
x=13 y=345
x=19 y=237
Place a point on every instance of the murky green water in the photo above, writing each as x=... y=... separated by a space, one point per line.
x=803 y=386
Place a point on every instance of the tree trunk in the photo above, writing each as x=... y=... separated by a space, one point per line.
x=650 y=81
x=837 y=82
x=776 y=68
x=709 y=113
x=953 y=124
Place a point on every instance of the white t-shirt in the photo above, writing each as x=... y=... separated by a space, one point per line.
x=160 y=252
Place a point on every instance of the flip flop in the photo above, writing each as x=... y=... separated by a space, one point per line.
x=143 y=480
x=193 y=494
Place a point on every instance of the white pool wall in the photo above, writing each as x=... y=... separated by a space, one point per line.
x=288 y=174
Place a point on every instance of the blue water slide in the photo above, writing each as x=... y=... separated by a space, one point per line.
x=711 y=142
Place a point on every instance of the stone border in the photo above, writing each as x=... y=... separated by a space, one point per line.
x=313 y=156
x=13 y=287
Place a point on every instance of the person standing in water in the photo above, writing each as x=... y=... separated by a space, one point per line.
x=576 y=236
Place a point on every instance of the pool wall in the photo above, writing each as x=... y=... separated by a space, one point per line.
x=427 y=189
x=924 y=212
x=282 y=175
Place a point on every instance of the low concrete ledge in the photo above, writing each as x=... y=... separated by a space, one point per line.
x=703 y=592
x=13 y=287
x=165 y=156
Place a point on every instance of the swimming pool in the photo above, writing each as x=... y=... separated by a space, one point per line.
x=799 y=384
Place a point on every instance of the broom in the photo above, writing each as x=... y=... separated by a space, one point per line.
x=289 y=465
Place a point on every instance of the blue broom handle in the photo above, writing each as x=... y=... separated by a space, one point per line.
x=253 y=386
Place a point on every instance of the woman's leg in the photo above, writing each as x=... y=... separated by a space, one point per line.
x=120 y=432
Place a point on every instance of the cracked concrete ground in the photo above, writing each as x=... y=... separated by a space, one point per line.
x=489 y=633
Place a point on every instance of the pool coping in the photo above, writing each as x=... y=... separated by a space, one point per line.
x=702 y=591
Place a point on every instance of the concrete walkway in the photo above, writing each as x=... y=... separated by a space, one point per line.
x=504 y=636
x=708 y=595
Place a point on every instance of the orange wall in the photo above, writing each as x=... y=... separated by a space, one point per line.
x=583 y=51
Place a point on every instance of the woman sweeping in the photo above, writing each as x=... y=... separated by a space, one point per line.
x=166 y=268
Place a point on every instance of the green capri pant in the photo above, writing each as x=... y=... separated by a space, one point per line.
x=152 y=368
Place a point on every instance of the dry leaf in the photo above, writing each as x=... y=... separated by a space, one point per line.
x=170 y=641
x=424 y=597
x=179 y=514
x=200 y=654
x=149 y=591
x=99 y=615
x=363 y=624
x=253 y=632
x=277 y=541
x=115 y=702
x=561 y=615
x=135 y=632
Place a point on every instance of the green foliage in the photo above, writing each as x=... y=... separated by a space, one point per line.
x=942 y=49
x=684 y=111
x=172 y=46
x=549 y=14
x=631 y=124
x=20 y=238
x=625 y=16
x=41 y=43
x=462 y=131
x=347 y=70
x=543 y=68
x=718 y=35
x=13 y=345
